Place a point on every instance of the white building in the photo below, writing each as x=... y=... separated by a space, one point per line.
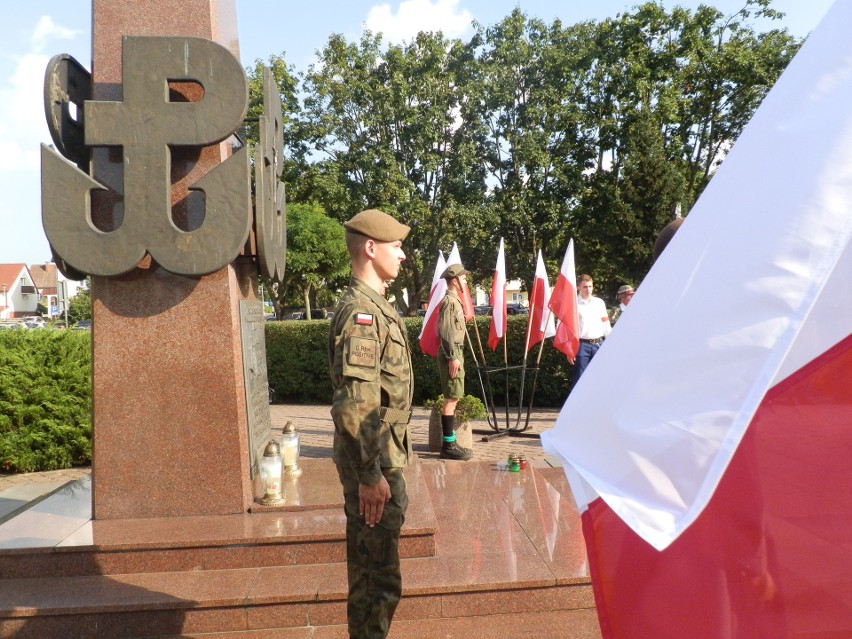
x=23 y=287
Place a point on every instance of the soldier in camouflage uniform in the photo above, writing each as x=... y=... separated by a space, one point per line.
x=625 y=294
x=373 y=381
x=451 y=330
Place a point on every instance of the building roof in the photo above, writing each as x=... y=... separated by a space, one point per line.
x=44 y=275
x=45 y=278
x=10 y=274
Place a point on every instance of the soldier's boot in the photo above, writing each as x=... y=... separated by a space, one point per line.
x=451 y=450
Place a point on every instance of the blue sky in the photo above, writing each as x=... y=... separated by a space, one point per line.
x=37 y=30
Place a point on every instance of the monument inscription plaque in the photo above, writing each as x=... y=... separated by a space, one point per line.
x=252 y=333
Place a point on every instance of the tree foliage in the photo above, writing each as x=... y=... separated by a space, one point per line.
x=532 y=131
x=316 y=257
x=80 y=306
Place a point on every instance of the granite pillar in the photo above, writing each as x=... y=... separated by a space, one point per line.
x=170 y=413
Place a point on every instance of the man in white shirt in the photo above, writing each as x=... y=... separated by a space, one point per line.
x=594 y=326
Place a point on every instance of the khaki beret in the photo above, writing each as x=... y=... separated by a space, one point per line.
x=626 y=288
x=454 y=270
x=377 y=225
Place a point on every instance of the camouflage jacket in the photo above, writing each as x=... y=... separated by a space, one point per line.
x=614 y=313
x=370 y=366
x=451 y=326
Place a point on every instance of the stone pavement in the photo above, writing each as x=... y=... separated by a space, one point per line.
x=314 y=425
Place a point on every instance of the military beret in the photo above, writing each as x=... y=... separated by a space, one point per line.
x=626 y=288
x=377 y=225
x=454 y=270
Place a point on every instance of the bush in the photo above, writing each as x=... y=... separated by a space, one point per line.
x=297 y=365
x=297 y=361
x=468 y=408
x=45 y=400
x=45 y=383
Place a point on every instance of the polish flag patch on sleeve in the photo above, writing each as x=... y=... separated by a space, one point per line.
x=364 y=319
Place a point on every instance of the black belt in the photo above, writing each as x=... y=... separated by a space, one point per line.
x=394 y=416
x=595 y=342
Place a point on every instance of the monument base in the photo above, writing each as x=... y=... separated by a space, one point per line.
x=483 y=556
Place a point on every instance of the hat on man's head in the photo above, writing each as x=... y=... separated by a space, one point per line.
x=454 y=270
x=625 y=288
x=377 y=225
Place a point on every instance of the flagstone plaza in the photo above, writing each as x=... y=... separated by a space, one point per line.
x=485 y=551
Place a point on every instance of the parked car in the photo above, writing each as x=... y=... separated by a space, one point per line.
x=516 y=309
x=316 y=314
x=482 y=310
x=82 y=325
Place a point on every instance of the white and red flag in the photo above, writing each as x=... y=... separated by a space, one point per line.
x=563 y=303
x=711 y=459
x=498 y=301
x=540 y=324
x=429 y=340
x=464 y=296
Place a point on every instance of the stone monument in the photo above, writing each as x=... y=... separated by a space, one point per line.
x=174 y=249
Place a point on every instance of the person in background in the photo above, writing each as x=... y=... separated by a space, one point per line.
x=594 y=326
x=451 y=330
x=371 y=373
x=625 y=294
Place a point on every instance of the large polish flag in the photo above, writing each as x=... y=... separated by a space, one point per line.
x=498 y=301
x=540 y=324
x=563 y=303
x=466 y=300
x=715 y=491
x=429 y=340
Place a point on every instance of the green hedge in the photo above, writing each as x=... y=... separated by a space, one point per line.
x=45 y=400
x=297 y=364
x=45 y=386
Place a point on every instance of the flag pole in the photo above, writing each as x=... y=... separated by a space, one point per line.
x=524 y=366
x=535 y=377
x=486 y=393
x=506 y=372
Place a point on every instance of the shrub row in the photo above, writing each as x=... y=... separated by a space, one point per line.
x=45 y=385
x=45 y=400
x=297 y=364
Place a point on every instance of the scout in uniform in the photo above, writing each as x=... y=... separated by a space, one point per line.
x=370 y=365
x=451 y=330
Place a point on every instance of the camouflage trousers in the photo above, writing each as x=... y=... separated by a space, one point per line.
x=372 y=557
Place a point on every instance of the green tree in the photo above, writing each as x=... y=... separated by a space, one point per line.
x=696 y=78
x=292 y=129
x=617 y=246
x=531 y=131
x=80 y=306
x=387 y=134
x=524 y=110
x=317 y=258
x=724 y=75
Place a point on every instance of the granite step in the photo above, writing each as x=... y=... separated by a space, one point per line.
x=558 y=624
x=294 y=597
x=507 y=545
x=309 y=529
